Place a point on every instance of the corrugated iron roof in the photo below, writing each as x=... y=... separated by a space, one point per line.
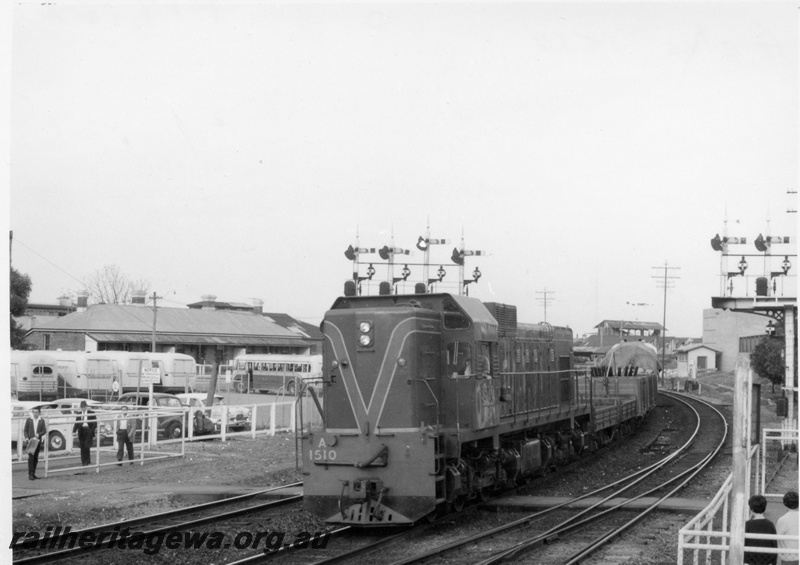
x=130 y=337
x=126 y=318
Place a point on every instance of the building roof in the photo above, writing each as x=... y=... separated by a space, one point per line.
x=693 y=346
x=116 y=318
x=630 y=325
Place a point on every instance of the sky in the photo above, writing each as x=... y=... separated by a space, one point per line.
x=237 y=150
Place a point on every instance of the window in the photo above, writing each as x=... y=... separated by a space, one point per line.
x=46 y=341
x=454 y=319
x=459 y=360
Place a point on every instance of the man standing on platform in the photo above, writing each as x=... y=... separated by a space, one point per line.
x=125 y=433
x=85 y=425
x=34 y=432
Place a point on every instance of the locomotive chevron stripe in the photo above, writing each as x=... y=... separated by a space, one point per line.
x=363 y=413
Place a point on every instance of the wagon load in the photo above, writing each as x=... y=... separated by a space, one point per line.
x=629 y=359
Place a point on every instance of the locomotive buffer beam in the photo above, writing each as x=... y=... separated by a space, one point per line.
x=381 y=459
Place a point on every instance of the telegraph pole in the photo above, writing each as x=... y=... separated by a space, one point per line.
x=155 y=318
x=665 y=282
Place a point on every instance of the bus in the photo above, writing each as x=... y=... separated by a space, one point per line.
x=177 y=369
x=83 y=374
x=34 y=375
x=276 y=373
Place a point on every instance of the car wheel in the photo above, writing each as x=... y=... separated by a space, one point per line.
x=56 y=442
x=240 y=387
x=290 y=388
x=173 y=431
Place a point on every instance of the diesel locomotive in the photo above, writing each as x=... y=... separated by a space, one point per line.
x=431 y=400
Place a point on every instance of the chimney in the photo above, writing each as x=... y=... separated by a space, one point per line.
x=64 y=300
x=209 y=302
x=138 y=297
x=83 y=300
x=258 y=306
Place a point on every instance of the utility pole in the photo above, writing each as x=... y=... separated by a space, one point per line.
x=545 y=300
x=665 y=282
x=155 y=319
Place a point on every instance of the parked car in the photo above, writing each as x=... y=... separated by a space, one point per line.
x=169 y=426
x=71 y=406
x=59 y=426
x=238 y=416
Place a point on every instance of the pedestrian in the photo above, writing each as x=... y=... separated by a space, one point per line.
x=758 y=524
x=125 y=433
x=85 y=425
x=787 y=526
x=34 y=432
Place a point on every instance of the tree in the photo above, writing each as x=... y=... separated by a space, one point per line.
x=767 y=360
x=20 y=289
x=109 y=285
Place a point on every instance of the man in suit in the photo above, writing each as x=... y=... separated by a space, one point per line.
x=35 y=428
x=85 y=425
x=126 y=431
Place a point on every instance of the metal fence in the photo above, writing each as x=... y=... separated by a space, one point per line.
x=263 y=419
x=707 y=537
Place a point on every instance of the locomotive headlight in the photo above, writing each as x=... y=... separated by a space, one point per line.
x=366 y=338
x=401 y=362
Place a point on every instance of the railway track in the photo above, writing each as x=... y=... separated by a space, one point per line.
x=64 y=546
x=571 y=532
x=564 y=534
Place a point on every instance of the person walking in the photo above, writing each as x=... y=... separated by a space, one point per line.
x=34 y=433
x=85 y=425
x=787 y=526
x=758 y=524
x=125 y=434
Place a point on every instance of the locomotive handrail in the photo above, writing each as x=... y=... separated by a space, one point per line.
x=384 y=452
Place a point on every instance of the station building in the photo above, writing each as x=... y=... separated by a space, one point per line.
x=208 y=331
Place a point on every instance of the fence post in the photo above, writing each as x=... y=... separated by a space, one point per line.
x=253 y=420
x=740 y=480
x=190 y=424
x=223 y=425
x=272 y=414
x=97 y=446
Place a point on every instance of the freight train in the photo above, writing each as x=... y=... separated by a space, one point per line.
x=432 y=400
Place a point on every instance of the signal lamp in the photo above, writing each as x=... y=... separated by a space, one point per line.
x=401 y=362
x=365 y=327
x=365 y=340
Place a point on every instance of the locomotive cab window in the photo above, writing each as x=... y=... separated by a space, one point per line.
x=459 y=360
x=454 y=318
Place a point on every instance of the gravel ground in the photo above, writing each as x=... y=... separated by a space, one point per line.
x=265 y=462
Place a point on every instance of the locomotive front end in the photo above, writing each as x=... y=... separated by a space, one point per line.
x=373 y=460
